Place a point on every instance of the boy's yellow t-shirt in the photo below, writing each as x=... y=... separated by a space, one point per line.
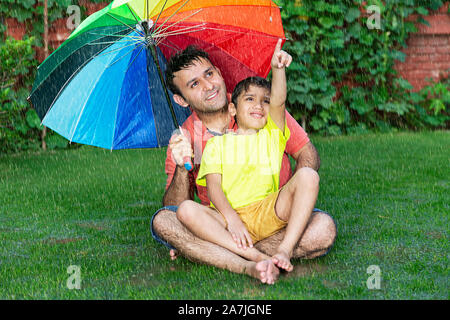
x=249 y=164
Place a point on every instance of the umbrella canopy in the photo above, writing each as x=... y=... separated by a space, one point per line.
x=104 y=85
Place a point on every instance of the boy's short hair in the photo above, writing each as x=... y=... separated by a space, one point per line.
x=245 y=84
x=182 y=60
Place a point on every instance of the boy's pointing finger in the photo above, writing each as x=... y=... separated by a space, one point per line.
x=278 y=46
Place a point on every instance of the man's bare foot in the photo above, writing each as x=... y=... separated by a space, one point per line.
x=173 y=254
x=281 y=260
x=265 y=271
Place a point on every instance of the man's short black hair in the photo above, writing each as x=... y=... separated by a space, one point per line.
x=245 y=84
x=182 y=60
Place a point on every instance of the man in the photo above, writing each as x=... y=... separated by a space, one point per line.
x=197 y=84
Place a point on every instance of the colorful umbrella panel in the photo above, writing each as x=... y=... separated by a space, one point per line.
x=103 y=86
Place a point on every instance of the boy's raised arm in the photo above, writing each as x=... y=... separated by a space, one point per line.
x=280 y=60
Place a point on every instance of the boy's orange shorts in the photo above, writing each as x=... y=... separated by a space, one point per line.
x=260 y=218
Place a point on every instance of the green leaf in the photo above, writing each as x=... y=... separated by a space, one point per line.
x=361 y=128
x=324 y=115
x=55 y=141
x=409 y=27
x=398 y=55
x=366 y=39
x=404 y=84
x=28 y=3
x=354 y=30
x=422 y=11
x=399 y=108
x=33 y=119
x=326 y=22
x=21 y=127
x=337 y=43
x=317 y=123
x=361 y=107
x=416 y=97
x=334 y=130
x=423 y=21
x=437 y=106
x=352 y=14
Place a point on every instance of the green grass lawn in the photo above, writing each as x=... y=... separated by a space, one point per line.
x=89 y=207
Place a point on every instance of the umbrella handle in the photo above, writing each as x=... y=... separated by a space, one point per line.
x=188 y=163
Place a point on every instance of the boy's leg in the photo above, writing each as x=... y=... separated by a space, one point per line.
x=317 y=239
x=295 y=204
x=167 y=226
x=209 y=225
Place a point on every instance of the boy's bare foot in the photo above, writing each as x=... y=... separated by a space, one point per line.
x=281 y=260
x=265 y=271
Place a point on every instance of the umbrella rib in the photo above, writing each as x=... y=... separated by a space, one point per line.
x=117 y=49
x=84 y=105
x=135 y=18
x=162 y=38
x=123 y=37
x=165 y=44
x=115 y=40
x=154 y=24
x=116 y=35
x=134 y=29
x=235 y=31
x=175 y=23
x=125 y=45
x=123 y=56
x=175 y=34
x=87 y=60
x=179 y=31
x=111 y=42
x=169 y=17
x=142 y=48
x=70 y=78
x=146 y=10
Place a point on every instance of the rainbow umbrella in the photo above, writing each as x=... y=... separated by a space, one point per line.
x=104 y=86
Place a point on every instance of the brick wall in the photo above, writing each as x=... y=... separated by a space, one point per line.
x=58 y=31
x=428 y=51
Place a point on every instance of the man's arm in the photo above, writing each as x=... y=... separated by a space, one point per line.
x=299 y=147
x=307 y=156
x=179 y=188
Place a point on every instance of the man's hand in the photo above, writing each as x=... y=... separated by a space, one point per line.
x=181 y=148
x=238 y=231
x=280 y=58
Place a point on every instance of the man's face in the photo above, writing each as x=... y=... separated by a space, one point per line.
x=252 y=108
x=202 y=87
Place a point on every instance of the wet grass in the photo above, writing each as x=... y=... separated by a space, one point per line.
x=91 y=208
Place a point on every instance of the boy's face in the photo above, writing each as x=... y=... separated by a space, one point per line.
x=252 y=108
x=202 y=87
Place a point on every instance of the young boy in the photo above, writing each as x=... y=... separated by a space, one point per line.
x=241 y=173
